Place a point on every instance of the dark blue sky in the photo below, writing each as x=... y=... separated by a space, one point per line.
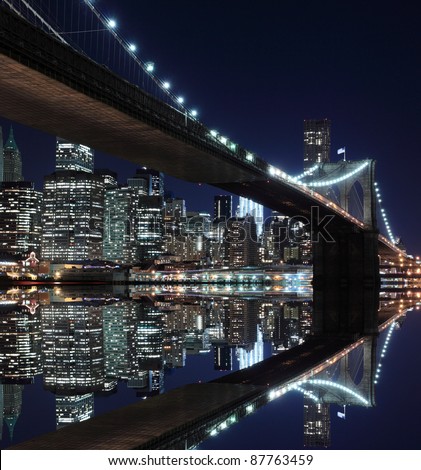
x=255 y=70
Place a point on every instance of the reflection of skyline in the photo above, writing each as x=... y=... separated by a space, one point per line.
x=89 y=346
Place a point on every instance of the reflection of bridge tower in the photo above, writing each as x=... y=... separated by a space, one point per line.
x=346 y=385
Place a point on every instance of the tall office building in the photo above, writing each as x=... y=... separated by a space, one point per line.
x=150 y=181
x=74 y=157
x=73 y=409
x=72 y=216
x=247 y=207
x=20 y=217
x=120 y=322
x=12 y=160
x=73 y=206
x=72 y=345
x=316 y=141
x=149 y=228
x=241 y=246
x=20 y=344
x=222 y=207
x=121 y=206
x=316 y=423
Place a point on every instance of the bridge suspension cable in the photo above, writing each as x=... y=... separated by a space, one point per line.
x=384 y=350
x=36 y=16
x=383 y=213
x=330 y=182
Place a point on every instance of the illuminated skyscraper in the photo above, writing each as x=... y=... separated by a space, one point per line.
x=121 y=207
x=72 y=345
x=249 y=208
x=73 y=157
x=150 y=181
x=149 y=228
x=119 y=320
x=20 y=217
x=316 y=142
x=20 y=344
x=222 y=207
x=241 y=242
x=316 y=423
x=72 y=216
x=73 y=409
x=12 y=160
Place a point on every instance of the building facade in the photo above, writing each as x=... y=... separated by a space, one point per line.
x=20 y=217
x=316 y=141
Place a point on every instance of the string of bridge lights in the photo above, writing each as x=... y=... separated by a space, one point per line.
x=384 y=350
x=320 y=184
x=383 y=213
x=149 y=67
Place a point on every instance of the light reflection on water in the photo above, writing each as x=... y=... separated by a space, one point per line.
x=68 y=354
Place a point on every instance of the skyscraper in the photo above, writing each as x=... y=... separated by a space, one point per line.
x=151 y=181
x=73 y=206
x=222 y=207
x=12 y=160
x=75 y=157
x=249 y=208
x=316 y=141
x=20 y=217
x=72 y=216
x=121 y=206
x=241 y=244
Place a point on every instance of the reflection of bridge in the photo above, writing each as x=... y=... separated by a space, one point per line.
x=184 y=417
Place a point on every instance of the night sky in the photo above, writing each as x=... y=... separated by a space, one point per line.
x=255 y=70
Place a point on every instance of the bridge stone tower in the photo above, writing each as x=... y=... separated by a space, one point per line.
x=346 y=271
x=362 y=172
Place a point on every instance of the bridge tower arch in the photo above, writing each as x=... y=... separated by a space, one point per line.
x=344 y=175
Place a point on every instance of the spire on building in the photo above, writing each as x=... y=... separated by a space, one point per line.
x=11 y=160
x=11 y=143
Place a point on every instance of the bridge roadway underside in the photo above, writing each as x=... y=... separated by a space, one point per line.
x=157 y=422
x=41 y=102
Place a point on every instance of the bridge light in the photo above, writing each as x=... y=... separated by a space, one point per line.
x=180 y=99
x=193 y=113
x=132 y=47
x=166 y=85
x=214 y=133
x=150 y=66
x=112 y=24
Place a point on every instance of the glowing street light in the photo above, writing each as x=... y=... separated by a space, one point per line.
x=112 y=23
x=166 y=85
x=150 y=66
x=194 y=113
x=132 y=47
x=180 y=99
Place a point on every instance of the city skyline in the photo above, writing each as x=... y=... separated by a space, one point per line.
x=345 y=88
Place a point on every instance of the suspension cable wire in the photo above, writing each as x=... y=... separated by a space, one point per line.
x=383 y=213
x=36 y=16
x=130 y=52
x=320 y=184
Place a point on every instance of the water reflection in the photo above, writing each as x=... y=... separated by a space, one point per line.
x=87 y=344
